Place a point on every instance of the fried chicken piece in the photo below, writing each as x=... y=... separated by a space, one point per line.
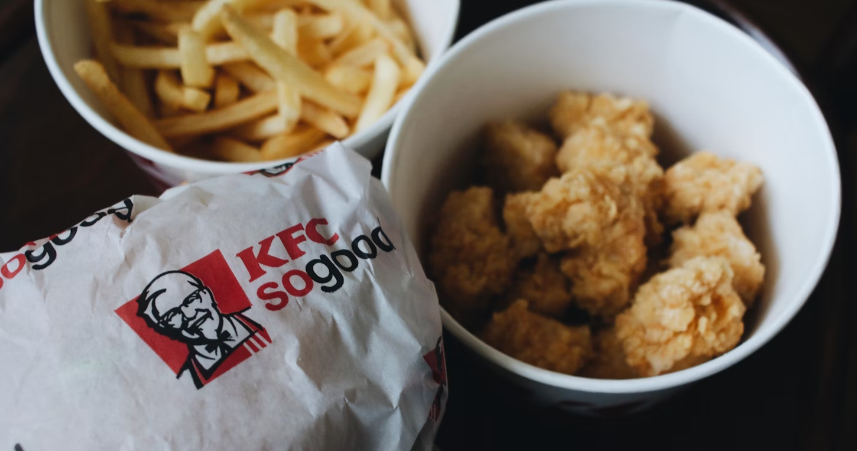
x=574 y=110
x=517 y=157
x=596 y=144
x=705 y=182
x=538 y=340
x=718 y=234
x=575 y=209
x=470 y=257
x=522 y=238
x=682 y=317
x=546 y=288
x=605 y=275
x=608 y=360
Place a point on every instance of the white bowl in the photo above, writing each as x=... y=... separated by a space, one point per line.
x=710 y=86
x=64 y=38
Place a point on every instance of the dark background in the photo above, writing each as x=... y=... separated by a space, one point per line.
x=798 y=392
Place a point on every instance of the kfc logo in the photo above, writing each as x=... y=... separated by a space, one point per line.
x=193 y=318
x=436 y=360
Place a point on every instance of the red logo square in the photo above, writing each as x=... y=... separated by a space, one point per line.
x=194 y=319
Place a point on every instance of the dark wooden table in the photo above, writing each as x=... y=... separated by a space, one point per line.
x=797 y=392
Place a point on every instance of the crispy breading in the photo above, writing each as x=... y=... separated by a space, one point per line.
x=546 y=288
x=573 y=110
x=608 y=360
x=682 y=317
x=604 y=276
x=706 y=182
x=522 y=238
x=538 y=340
x=516 y=157
x=718 y=234
x=470 y=257
x=596 y=144
x=575 y=209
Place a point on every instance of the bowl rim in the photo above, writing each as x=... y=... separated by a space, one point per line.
x=679 y=378
x=182 y=162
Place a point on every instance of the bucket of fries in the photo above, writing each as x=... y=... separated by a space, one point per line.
x=279 y=309
x=198 y=88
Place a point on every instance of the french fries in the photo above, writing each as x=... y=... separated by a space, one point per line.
x=102 y=32
x=289 y=145
x=171 y=58
x=226 y=91
x=133 y=81
x=171 y=92
x=131 y=119
x=381 y=94
x=230 y=149
x=349 y=79
x=221 y=119
x=285 y=67
x=196 y=71
x=365 y=54
x=248 y=80
x=251 y=76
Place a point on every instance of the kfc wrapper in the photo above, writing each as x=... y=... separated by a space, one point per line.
x=284 y=309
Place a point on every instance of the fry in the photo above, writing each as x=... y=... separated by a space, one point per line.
x=325 y=120
x=365 y=54
x=249 y=75
x=128 y=116
x=380 y=96
x=287 y=68
x=134 y=80
x=291 y=144
x=206 y=21
x=285 y=31
x=290 y=107
x=260 y=129
x=221 y=119
x=102 y=36
x=233 y=150
x=226 y=91
x=381 y=8
x=195 y=69
x=170 y=58
x=355 y=36
x=167 y=33
x=350 y=79
x=318 y=26
x=314 y=53
x=356 y=12
x=403 y=31
x=159 y=10
x=171 y=92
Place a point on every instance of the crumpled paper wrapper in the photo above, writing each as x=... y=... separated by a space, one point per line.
x=284 y=309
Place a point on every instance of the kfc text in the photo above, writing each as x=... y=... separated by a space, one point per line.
x=325 y=270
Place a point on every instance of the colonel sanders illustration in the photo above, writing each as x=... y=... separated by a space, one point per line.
x=179 y=306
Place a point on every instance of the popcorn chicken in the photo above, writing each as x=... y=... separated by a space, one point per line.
x=574 y=110
x=718 y=234
x=608 y=360
x=596 y=144
x=682 y=317
x=574 y=209
x=470 y=257
x=705 y=182
x=517 y=158
x=537 y=340
x=523 y=239
x=605 y=275
x=546 y=288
